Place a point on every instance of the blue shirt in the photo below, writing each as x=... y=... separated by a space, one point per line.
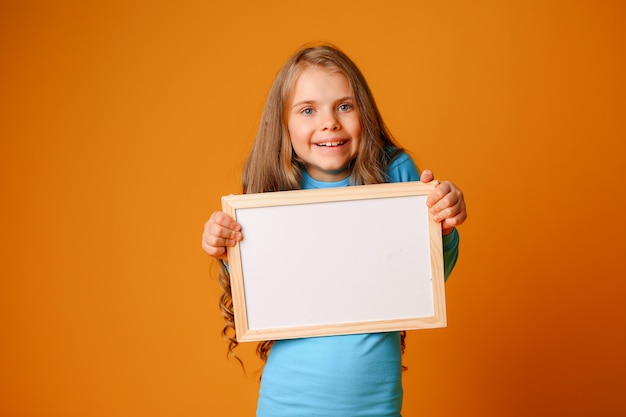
x=344 y=376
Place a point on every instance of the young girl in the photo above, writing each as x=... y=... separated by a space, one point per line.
x=321 y=128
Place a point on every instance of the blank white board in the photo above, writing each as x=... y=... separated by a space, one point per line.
x=336 y=261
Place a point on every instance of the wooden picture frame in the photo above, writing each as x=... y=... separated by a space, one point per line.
x=332 y=261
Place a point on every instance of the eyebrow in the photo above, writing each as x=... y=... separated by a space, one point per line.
x=300 y=103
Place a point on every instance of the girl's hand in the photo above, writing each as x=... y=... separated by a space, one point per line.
x=220 y=232
x=446 y=203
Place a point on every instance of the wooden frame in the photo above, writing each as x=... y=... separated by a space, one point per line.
x=336 y=261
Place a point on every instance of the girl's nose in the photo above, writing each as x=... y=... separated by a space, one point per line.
x=330 y=122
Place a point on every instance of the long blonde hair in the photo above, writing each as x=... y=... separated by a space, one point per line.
x=272 y=165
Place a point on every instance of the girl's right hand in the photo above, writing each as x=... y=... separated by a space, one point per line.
x=220 y=232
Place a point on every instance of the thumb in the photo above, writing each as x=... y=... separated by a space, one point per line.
x=427 y=176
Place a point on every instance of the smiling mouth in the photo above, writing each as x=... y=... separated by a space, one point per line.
x=331 y=144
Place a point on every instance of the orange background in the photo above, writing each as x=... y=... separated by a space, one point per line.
x=122 y=124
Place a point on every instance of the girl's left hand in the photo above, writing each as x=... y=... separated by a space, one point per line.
x=446 y=203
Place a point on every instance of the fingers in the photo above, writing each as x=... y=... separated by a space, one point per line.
x=447 y=204
x=220 y=232
x=222 y=227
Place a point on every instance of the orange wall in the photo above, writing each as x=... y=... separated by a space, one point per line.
x=122 y=124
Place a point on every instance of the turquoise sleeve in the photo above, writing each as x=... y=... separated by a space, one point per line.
x=450 y=252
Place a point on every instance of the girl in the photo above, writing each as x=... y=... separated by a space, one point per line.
x=321 y=128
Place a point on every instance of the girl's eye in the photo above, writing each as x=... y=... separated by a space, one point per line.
x=307 y=112
x=345 y=107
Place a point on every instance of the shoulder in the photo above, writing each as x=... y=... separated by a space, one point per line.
x=401 y=168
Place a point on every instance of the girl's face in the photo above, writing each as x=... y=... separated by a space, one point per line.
x=323 y=123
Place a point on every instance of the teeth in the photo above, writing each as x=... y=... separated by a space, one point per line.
x=331 y=144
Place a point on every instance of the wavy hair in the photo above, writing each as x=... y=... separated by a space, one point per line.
x=272 y=164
